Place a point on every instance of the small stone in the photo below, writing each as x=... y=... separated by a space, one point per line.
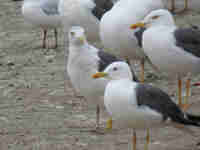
x=11 y=85
x=10 y=63
x=50 y=58
x=60 y=107
x=4 y=119
x=19 y=98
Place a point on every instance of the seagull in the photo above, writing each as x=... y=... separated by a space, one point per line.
x=44 y=14
x=114 y=28
x=85 y=13
x=83 y=61
x=171 y=49
x=140 y=106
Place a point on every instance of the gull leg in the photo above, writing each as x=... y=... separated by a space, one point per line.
x=129 y=63
x=188 y=83
x=44 y=38
x=97 y=117
x=56 y=38
x=134 y=140
x=185 y=5
x=66 y=51
x=147 y=140
x=142 y=71
x=186 y=105
x=172 y=5
x=109 y=124
x=179 y=92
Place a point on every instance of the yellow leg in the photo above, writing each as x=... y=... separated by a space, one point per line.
x=186 y=105
x=134 y=140
x=180 y=92
x=147 y=140
x=185 y=5
x=109 y=124
x=142 y=72
x=188 y=83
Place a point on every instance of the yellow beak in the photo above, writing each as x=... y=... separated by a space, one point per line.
x=81 y=39
x=137 y=25
x=99 y=75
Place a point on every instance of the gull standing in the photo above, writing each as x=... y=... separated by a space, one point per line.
x=85 y=13
x=171 y=49
x=140 y=106
x=115 y=32
x=44 y=14
x=83 y=61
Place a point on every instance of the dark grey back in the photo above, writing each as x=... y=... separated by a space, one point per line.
x=102 y=6
x=159 y=101
x=189 y=40
x=138 y=34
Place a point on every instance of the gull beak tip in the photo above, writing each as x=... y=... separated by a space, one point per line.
x=137 y=25
x=99 y=75
x=133 y=26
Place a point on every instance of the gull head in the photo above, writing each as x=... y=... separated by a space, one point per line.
x=115 y=71
x=77 y=36
x=156 y=17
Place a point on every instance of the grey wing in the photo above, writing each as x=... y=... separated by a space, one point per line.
x=105 y=59
x=158 y=101
x=188 y=39
x=50 y=7
x=138 y=34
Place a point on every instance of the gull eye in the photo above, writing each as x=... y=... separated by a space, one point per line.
x=72 y=33
x=155 y=17
x=115 y=69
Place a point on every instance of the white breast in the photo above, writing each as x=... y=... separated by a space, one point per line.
x=80 y=68
x=120 y=101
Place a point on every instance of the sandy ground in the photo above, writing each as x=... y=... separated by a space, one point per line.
x=36 y=113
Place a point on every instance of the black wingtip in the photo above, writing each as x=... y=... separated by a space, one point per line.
x=135 y=78
x=195 y=27
x=138 y=34
x=192 y=117
x=188 y=120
